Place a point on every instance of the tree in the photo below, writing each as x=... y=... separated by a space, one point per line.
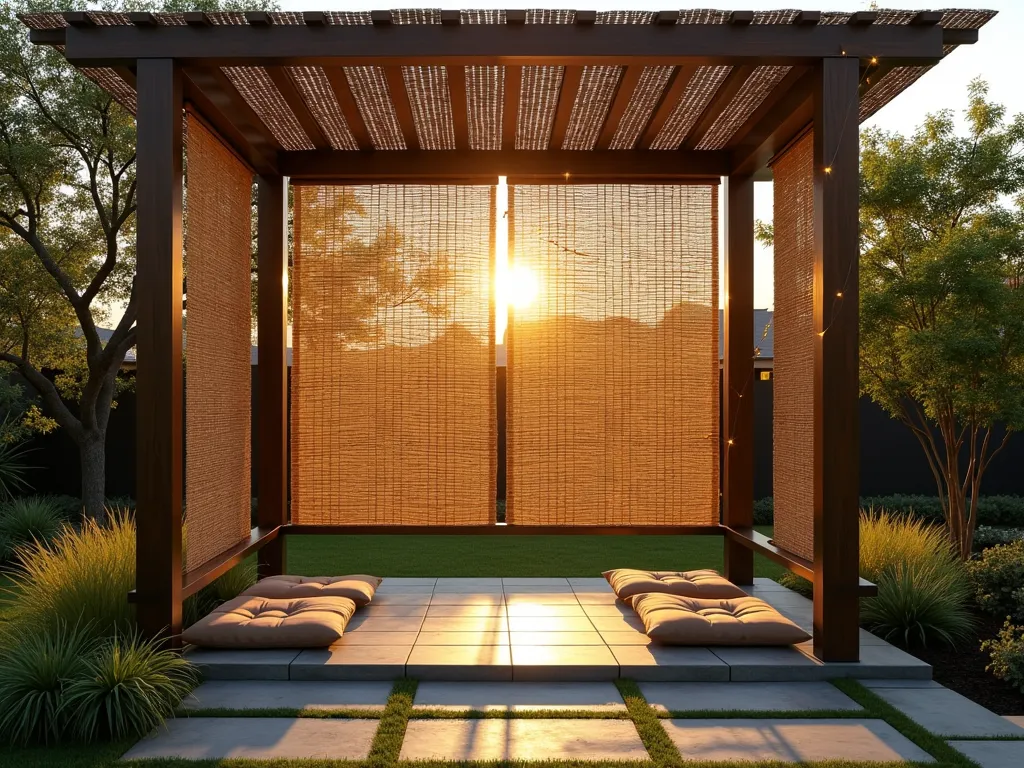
x=67 y=218
x=942 y=305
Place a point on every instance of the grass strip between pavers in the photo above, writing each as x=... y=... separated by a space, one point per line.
x=387 y=742
x=351 y=713
x=438 y=713
x=762 y=714
x=877 y=707
x=655 y=740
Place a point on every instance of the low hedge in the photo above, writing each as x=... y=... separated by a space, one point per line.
x=992 y=510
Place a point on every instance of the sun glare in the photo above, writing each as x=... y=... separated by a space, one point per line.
x=515 y=286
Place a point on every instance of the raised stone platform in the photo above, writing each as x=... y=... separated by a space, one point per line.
x=551 y=629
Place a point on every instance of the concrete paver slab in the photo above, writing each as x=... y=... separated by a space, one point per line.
x=460 y=662
x=781 y=697
x=947 y=713
x=351 y=662
x=792 y=740
x=660 y=663
x=287 y=694
x=521 y=696
x=218 y=738
x=992 y=754
x=221 y=664
x=522 y=740
x=583 y=662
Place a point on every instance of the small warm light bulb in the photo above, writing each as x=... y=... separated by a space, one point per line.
x=566 y=175
x=839 y=294
x=828 y=169
x=730 y=442
x=874 y=60
x=821 y=333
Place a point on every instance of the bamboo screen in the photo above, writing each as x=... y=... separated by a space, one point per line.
x=613 y=370
x=793 y=388
x=393 y=385
x=218 y=248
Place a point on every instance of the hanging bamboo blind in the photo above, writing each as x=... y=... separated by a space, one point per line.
x=793 y=388
x=393 y=381
x=218 y=246
x=613 y=370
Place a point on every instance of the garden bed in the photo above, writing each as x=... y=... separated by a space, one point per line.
x=964 y=671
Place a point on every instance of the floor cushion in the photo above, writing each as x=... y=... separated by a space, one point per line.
x=676 y=620
x=357 y=587
x=626 y=582
x=259 y=622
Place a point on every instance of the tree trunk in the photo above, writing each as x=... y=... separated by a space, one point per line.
x=92 y=451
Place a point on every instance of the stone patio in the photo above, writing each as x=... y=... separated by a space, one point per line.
x=538 y=629
x=791 y=736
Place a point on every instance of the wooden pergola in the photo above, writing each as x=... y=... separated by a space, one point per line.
x=545 y=97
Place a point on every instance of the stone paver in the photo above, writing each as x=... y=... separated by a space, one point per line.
x=992 y=754
x=256 y=694
x=655 y=662
x=898 y=683
x=518 y=697
x=460 y=662
x=1017 y=720
x=947 y=713
x=791 y=740
x=522 y=740
x=351 y=662
x=218 y=664
x=781 y=697
x=217 y=738
x=581 y=662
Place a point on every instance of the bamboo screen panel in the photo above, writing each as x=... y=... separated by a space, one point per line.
x=613 y=370
x=218 y=248
x=393 y=383
x=793 y=388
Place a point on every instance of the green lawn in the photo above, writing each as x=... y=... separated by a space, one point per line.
x=506 y=555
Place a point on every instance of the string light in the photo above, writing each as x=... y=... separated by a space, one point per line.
x=828 y=169
x=731 y=441
x=874 y=60
x=839 y=294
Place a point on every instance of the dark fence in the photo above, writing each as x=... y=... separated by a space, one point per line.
x=891 y=459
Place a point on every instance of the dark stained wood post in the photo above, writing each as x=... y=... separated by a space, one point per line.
x=738 y=375
x=272 y=368
x=158 y=338
x=836 y=368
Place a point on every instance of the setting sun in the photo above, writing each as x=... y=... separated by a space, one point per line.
x=520 y=287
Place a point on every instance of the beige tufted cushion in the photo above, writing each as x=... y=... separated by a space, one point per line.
x=626 y=582
x=258 y=622
x=675 y=620
x=358 y=587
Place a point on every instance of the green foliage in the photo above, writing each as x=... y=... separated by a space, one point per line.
x=12 y=469
x=81 y=578
x=992 y=510
x=1007 y=653
x=986 y=536
x=942 y=310
x=27 y=520
x=234 y=582
x=998 y=577
x=34 y=670
x=798 y=584
x=126 y=687
x=764 y=511
x=923 y=587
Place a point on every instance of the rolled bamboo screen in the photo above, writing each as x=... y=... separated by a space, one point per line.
x=393 y=391
x=613 y=370
x=218 y=252
x=793 y=388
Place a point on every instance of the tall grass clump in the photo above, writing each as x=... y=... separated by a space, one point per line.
x=35 y=668
x=26 y=521
x=80 y=578
x=126 y=687
x=923 y=587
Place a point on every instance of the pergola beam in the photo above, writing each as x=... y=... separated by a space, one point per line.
x=723 y=97
x=554 y=44
x=347 y=105
x=460 y=110
x=623 y=93
x=282 y=79
x=566 y=99
x=403 y=108
x=667 y=103
x=440 y=165
x=510 y=106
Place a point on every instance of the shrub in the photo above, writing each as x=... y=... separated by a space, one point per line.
x=986 y=536
x=764 y=511
x=998 y=577
x=798 y=584
x=34 y=671
x=923 y=588
x=126 y=687
x=12 y=468
x=27 y=520
x=231 y=584
x=80 y=578
x=1007 y=653
x=918 y=605
x=992 y=510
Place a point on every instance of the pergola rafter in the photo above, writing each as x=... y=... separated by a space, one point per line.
x=449 y=97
